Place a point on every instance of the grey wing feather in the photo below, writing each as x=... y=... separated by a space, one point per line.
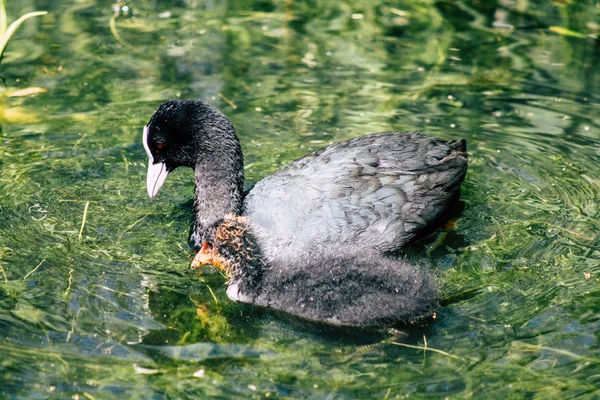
x=378 y=191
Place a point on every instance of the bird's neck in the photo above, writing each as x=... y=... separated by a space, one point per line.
x=218 y=192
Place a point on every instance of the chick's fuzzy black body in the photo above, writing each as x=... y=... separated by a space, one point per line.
x=339 y=286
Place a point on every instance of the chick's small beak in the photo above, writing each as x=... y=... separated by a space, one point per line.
x=207 y=255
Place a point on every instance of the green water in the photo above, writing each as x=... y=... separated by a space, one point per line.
x=96 y=297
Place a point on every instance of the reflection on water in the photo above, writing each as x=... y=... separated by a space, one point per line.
x=96 y=298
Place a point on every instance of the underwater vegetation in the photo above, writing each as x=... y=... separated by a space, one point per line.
x=96 y=296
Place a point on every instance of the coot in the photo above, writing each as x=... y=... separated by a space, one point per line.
x=374 y=193
x=337 y=285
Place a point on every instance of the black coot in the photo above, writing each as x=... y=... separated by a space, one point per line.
x=376 y=192
x=317 y=228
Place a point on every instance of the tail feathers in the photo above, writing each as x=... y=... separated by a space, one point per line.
x=458 y=145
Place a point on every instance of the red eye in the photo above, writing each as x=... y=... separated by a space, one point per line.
x=159 y=145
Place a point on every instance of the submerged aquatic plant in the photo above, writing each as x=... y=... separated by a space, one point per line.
x=7 y=32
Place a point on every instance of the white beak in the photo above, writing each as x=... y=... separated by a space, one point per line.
x=157 y=173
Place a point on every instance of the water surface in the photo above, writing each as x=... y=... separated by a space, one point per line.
x=96 y=297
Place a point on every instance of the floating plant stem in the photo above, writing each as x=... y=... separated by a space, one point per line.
x=85 y=210
x=35 y=269
x=2 y=17
x=424 y=348
x=6 y=34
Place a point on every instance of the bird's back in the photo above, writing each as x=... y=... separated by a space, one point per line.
x=379 y=191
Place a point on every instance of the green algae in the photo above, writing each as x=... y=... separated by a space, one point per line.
x=96 y=297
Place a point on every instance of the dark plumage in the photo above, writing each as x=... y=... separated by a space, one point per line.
x=194 y=134
x=379 y=191
x=340 y=286
x=311 y=237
